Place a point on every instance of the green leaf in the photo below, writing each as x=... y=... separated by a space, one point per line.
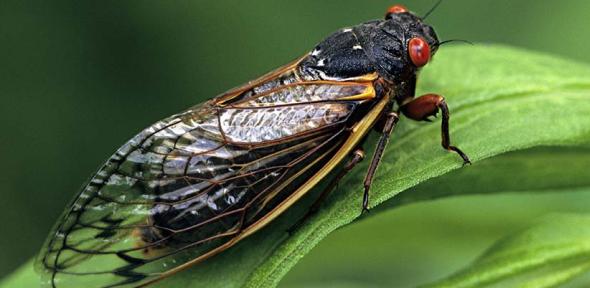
x=425 y=242
x=548 y=254
x=502 y=99
x=543 y=169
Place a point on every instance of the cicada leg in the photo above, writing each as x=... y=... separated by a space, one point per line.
x=391 y=119
x=429 y=105
x=357 y=156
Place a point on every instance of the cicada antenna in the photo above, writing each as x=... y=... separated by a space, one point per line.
x=455 y=40
x=431 y=10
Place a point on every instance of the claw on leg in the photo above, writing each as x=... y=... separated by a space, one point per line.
x=365 y=201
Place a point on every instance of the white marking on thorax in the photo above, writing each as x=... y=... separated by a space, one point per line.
x=357 y=47
x=321 y=62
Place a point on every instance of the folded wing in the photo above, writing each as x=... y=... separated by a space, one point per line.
x=191 y=183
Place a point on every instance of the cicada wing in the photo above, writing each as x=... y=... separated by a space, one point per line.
x=188 y=185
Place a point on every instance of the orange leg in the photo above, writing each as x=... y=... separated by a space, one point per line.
x=429 y=105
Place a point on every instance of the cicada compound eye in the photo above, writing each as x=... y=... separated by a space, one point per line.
x=395 y=9
x=419 y=51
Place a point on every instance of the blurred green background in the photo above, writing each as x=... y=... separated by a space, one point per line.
x=79 y=78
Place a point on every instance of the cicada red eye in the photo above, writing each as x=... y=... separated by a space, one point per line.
x=419 y=51
x=396 y=9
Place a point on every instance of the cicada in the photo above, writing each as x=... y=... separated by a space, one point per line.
x=196 y=183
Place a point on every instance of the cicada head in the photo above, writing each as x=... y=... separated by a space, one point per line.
x=401 y=44
x=394 y=47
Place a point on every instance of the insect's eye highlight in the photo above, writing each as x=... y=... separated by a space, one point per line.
x=419 y=51
x=395 y=9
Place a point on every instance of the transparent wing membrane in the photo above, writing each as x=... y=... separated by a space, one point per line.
x=190 y=184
